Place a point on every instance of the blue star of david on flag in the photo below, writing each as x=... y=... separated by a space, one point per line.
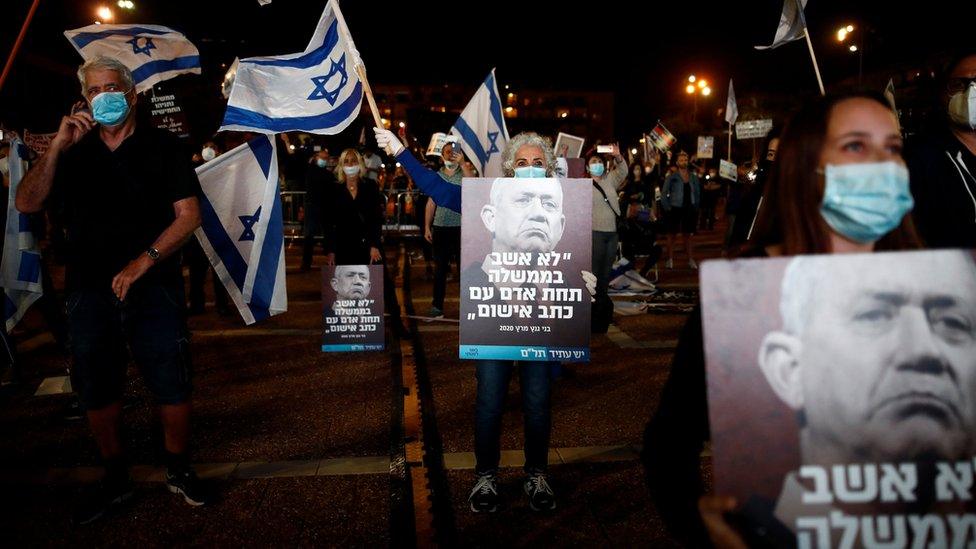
x=493 y=142
x=248 y=221
x=146 y=45
x=330 y=95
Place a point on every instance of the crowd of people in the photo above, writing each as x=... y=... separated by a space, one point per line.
x=838 y=178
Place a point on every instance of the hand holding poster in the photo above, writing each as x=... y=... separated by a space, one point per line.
x=353 y=308
x=525 y=245
x=842 y=396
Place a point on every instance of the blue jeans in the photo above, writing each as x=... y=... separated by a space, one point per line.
x=604 y=252
x=534 y=381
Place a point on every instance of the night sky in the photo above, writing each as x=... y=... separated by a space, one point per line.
x=641 y=51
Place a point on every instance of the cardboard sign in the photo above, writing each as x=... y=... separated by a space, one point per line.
x=842 y=396
x=568 y=146
x=352 y=317
x=753 y=129
x=524 y=245
x=661 y=138
x=167 y=114
x=728 y=170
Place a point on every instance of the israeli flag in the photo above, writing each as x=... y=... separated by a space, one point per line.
x=153 y=53
x=481 y=129
x=242 y=232
x=316 y=91
x=20 y=268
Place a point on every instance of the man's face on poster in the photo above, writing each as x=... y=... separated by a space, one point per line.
x=883 y=366
x=351 y=282
x=525 y=215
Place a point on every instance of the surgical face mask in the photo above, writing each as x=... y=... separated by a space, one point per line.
x=530 y=171
x=596 y=169
x=450 y=165
x=351 y=171
x=320 y=162
x=110 y=108
x=863 y=202
x=208 y=154
x=962 y=107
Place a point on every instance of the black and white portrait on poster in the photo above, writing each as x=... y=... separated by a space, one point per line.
x=525 y=243
x=842 y=396
x=352 y=318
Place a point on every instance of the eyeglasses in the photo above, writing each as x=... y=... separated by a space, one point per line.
x=95 y=90
x=955 y=85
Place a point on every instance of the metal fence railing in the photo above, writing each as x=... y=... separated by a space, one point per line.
x=402 y=213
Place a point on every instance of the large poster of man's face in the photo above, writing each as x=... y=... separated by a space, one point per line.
x=842 y=395
x=525 y=243
x=352 y=298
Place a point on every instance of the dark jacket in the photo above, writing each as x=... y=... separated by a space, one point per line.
x=943 y=182
x=353 y=226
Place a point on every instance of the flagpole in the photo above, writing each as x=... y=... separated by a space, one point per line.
x=730 y=142
x=806 y=34
x=360 y=68
x=18 y=42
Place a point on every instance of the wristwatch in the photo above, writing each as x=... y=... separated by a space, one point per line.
x=153 y=254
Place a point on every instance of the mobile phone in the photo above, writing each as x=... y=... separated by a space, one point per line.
x=604 y=149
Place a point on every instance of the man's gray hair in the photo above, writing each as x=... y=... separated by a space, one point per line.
x=532 y=139
x=799 y=289
x=104 y=63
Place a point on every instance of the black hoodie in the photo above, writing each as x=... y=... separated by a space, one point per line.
x=943 y=183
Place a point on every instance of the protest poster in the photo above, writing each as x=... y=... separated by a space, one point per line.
x=38 y=142
x=568 y=146
x=753 y=129
x=842 y=396
x=728 y=170
x=167 y=113
x=352 y=317
x=661 y=138
x=706 y=146
x=525 y=243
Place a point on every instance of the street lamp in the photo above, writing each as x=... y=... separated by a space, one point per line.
x=697 y=86
x=842 y=34
x=104 y=14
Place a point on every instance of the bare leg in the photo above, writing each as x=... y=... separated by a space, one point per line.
x=176 y=426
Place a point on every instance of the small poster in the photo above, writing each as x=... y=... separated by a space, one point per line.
x=352 y=316
x=661 y=138
x=728 y=170
x=842 y=397
x=525 y=245
x=167 y=114
x=706 y=146
x=753 y=129
x=568 y=146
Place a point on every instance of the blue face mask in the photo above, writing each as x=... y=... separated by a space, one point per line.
x=596 y=170
x=530 y=171
x=863 y=202
x=320 y=162
x=110 y=108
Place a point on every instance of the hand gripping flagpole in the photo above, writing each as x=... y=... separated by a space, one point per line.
x=360 y=67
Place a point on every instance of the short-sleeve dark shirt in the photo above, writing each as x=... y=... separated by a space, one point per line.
x=116 y=204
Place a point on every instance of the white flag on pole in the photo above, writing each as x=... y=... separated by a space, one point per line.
x=791 y=26
x=317 y=90
x=20 y=271
x=153 y=53
x=481 y=129
x=731 y=108
x=242 y=231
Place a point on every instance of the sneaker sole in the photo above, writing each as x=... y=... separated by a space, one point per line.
x=476 y=510
x=186 y=498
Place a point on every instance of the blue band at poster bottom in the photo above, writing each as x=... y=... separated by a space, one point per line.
x=524 y=352
x=351 y=348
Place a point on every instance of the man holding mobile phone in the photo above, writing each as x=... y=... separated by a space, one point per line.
x=128 y=197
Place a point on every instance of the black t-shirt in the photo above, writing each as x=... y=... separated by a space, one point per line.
x=115 y=204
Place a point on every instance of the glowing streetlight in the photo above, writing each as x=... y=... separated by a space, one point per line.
x=841 y=35
x=509 y=109
x=104 y=13
x=402 y=124
x=706 y=91
x=853 y=48
x=701 y=84
x=849 y=28
x=633 y=151
x=690 y=88
x=126 y=4
x=691 y=79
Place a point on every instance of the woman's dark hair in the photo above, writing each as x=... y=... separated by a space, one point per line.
x=790 y=213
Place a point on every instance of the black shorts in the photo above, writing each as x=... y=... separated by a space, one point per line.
x=681 y=220
x=102 y=332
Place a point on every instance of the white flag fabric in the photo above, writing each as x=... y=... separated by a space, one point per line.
x=242 y=231
x=889 y=93
x=20 y=271
x=731 y=108
x=229 y=76
x=792 y=24
x=153 y=53
x=316 y=91
x=264 y=2
x=481 y=129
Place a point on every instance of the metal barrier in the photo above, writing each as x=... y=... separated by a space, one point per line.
x=401 y=214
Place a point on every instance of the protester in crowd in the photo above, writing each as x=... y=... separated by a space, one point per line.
x=442 y=227
x=942 y=161
x=853 y=138
x=748 y=209
x=354 y=225
x=606 y=214
x=373 y=164
x=526 y=155
x=320 y=182
x=711 y=190
x=130 y=200
x=681 y=196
